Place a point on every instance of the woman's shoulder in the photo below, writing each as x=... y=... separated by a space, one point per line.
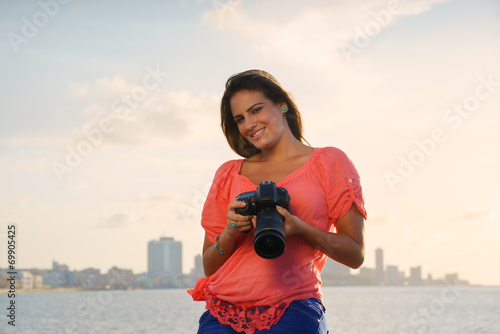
x=331 y=153
x=333 y=159
x=229 y=167
x=225 y=174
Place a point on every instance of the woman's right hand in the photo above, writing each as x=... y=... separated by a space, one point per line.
x=237 y=223
x=213 y=259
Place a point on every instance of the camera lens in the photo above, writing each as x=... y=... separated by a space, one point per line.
x=269 y=241
x=269 y=245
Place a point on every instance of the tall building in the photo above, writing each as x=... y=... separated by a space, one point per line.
x=393 y=275
x=379 y=266
x=367 y=275
x=335 y=269
x=165 y=256
x=59 y=267
x=415 y=276
x=198 y=267
x=451 y=278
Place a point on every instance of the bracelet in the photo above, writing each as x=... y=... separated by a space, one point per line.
x=217 y=246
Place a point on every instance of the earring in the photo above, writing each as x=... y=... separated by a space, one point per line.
x=283 y=108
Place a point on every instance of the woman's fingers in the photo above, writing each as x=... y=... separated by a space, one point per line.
x=254 y=221
x=282 y=211
x=231 y=212
x=241 y=224
x=235 y=205
x=236 y=221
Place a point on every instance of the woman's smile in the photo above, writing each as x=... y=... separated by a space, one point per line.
x=257 y=134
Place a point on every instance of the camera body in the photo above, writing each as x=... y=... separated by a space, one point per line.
x=269 y=240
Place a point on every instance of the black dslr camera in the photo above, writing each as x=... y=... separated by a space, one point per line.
x=269 y=240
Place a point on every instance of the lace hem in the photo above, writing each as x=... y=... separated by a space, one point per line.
x=241 y=318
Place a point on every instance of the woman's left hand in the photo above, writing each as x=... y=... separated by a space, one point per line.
x=346 y=245
x=292 y=223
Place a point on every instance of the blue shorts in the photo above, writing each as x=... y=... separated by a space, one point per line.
x=301 y=317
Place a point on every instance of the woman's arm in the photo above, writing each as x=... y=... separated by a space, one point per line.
x=346 y=246
x=212 y=257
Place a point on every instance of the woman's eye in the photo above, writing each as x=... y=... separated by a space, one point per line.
x=239 y=120
x=256 y=110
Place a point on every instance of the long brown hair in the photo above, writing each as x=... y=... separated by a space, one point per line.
x=260 y=81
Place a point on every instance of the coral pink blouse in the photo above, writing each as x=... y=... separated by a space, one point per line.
x=251 y=293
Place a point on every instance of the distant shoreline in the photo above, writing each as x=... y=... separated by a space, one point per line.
x=65 y=289
x=74 y=289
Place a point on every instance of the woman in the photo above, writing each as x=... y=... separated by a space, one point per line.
x=243 y=291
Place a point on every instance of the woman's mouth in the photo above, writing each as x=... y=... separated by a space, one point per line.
x=257 y=134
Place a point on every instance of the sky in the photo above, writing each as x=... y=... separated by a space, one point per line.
x=110 y=135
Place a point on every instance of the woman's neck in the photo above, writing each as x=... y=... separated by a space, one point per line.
x=285 y=149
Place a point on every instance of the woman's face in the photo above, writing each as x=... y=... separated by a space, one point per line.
x=259 y=120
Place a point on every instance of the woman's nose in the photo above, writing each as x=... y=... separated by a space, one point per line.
x=250 y=125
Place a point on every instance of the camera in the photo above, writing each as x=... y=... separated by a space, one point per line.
x=269 y=239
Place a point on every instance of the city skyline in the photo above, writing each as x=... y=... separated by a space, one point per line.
x=110 y=124
x=378 y=263
x=165 y=270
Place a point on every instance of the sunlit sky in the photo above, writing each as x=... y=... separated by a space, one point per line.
x=410 y=90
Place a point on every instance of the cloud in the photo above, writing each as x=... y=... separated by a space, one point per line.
x=228 y=15
x=179 y=118
x=24 y=140
x=167 y=213
x=152 y=198
x=411 y=7
x=77 y=90
x=308 y=38
x=16 y=201
x=104 y=86
x=313 y=35
x=472 y=216
x=114 y=85
x=382 y=220
x=171 y=207
x=160 y=118
x=117 y=220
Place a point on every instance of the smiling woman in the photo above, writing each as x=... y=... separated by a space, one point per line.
x=256 y=83
x=245 y=291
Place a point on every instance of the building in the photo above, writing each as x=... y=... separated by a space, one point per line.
x=402 y=276
x=367 y=276
x=165 y=257
x=26 y=279
x=415 y=276
x=118 y=278
x=379 y=266
x=38 y=282
x=335 y=269
x=451 y=279
x=88 y=277
x=335 y=273
x=393 y=275
x=198 y=267
x=59 y=276
x=58 y=279
x=59 y=267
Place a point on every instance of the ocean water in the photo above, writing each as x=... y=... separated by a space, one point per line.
x=350 y=310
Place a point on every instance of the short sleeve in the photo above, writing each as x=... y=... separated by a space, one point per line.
x=214 y=214
x=342 y=184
